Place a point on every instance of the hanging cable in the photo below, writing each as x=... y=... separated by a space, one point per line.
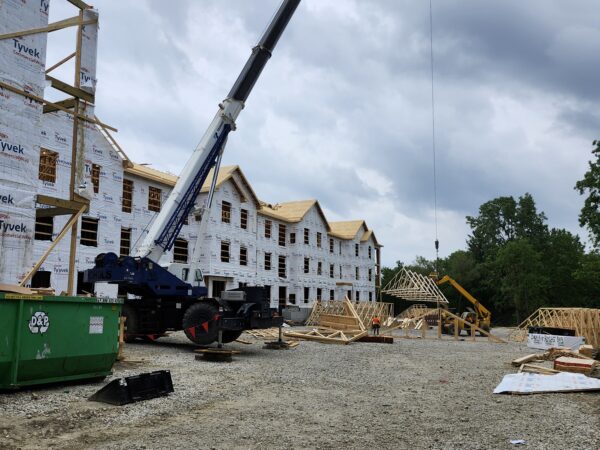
x=437 y=242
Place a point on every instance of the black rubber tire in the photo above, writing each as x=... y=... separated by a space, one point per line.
x=131 y=324
x=196 y=315
x=231 y=335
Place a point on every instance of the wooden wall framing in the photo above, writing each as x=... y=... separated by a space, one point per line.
x=585 y=322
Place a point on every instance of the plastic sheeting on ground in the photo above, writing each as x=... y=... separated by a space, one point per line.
x=533 y=383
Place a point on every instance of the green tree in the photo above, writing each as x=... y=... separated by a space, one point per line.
x=522 y=279
x=422 y=265
x=590 y=185
x=587 y=277
x=562 y=254
x=503 y=220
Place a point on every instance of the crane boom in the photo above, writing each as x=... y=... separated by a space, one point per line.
x=169 y=221
x=481 y=310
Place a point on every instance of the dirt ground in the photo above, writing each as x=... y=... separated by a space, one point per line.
x=408 y=395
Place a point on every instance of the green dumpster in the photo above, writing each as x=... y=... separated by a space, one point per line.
x=45 y=339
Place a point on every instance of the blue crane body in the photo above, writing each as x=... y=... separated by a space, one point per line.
x=175 y=298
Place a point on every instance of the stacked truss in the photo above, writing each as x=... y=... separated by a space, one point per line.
x=412 y=286
x=339 y=327
x=585 y=322
x=365 y=310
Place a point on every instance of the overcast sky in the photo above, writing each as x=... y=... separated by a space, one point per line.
x=342 y=112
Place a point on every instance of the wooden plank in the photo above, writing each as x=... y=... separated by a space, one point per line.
x=537 y=369
x=527 y=358
x=80 y=4
x=68 y=103
x=68 y=225
x=52 y=212
x=71 y=205
x=66 y=23
x=60 y=63
x=71 y=90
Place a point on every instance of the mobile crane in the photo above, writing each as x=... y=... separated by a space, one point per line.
x=479 y=315
x=175 y=298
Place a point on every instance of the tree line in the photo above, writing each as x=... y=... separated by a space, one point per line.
x=515 y=263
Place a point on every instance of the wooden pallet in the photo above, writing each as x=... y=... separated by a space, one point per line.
x=585 y=322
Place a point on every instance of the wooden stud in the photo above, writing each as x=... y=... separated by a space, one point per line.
x=60 y=63
x=62 y=234
x=80 y=4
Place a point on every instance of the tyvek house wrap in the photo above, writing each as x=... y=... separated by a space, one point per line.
x=22 y=62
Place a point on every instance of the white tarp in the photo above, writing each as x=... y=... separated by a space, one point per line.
x=546 y=341
x=533 y=383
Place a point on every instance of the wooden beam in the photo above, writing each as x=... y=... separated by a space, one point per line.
x=61 y=62
x=71 y=205
x=52 y=212
x=80 y=4
x=71 y=90
x=10 y=88
x=66 y=23
x=62 y=234
x=68 y=103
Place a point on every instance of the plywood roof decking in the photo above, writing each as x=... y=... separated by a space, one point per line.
x=151 y=174
x=292 y=211
x=347 y=229
x=225 y=173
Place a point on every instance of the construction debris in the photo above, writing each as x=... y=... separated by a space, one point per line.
x=585 y=322
x=550 y=355
x=532 y=368
x=412 y=286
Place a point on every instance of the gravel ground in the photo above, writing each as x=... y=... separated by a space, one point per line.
x=412 y=394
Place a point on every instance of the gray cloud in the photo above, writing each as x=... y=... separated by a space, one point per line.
x=342 y=111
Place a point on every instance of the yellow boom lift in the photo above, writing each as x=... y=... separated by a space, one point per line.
x=478 y=315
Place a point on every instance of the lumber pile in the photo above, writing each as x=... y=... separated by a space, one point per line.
x=412 y=286
x=342 y=327
x=585 y=322
x=564 y=360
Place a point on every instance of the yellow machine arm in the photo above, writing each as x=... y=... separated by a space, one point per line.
x=481 y=310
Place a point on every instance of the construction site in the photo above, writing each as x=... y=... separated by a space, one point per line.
x=145 y=309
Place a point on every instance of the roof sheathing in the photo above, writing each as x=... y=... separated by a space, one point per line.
x=291 y=212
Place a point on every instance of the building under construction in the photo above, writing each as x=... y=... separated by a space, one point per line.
x=69 y=192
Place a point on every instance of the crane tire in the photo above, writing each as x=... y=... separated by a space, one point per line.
x=193 y=319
